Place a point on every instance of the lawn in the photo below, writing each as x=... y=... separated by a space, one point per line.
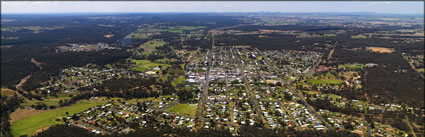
x=324 y=81
x=29 y=125
x=144 y=65
x=184 y=109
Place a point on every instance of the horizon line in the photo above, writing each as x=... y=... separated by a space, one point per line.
x=124 y=12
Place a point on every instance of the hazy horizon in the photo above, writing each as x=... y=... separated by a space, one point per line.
x=49 y=7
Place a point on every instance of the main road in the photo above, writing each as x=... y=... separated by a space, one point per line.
x=246 y=83
x=206 y=82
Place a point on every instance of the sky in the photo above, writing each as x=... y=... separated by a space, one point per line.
x=398 y=7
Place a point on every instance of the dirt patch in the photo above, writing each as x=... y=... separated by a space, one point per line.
x=108 y=36
x=23 y=113
x=7 y=92
x=36 y=63
x=380 y=49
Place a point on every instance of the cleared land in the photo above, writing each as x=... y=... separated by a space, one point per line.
x=52 y=101
x=19 y=114
x=29 y=125
x=352 y=66
x=7 y=92
x=380 y=49
x=324 y=81
x=145 y=65
x=184 y=109
x=151 y=45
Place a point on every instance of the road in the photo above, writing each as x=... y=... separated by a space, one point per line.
x=21 y=83
x=204 y=97
x=246 y=83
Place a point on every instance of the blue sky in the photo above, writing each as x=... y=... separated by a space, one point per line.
x=398 y=7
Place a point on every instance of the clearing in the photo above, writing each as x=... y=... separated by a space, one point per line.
x=51 y=101
x=29 y=125
x=151 y=45
x=7 y=92
x=184 y=109
x=144 y=65
x=179 y=80
x=380 y=49
x=324 y=81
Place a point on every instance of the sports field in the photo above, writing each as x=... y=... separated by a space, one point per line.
x=184 y=109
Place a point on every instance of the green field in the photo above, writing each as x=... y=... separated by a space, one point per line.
x=352 y=66
x=175 y=31
x=421 y=70
x=330 y=35
x=179 y=80
x=151 y=45
x=51 y=101
x=31 y=28
x=135 y=35
x=184 y=109
x=359 y=36
x=191 y=27
x=29 y=125
x=180 y=29
x=324 y=81
x=145 y=65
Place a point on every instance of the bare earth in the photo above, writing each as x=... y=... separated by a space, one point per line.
x=23 y=113
x=380 y=49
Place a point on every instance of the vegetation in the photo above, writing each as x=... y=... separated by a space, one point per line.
x=29 y=125
x=324 y=81
x=145 y=65
x=150 y=46
x=184 y=109
x=181 y=80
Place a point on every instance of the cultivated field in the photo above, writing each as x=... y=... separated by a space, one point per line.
x=380 y=49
